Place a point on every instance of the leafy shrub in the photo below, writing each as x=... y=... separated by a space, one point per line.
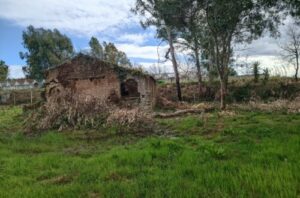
x=240 y=94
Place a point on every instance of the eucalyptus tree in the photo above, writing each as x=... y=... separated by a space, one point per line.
x=195 y=36
x=96 y=48
x=123 y=60
x=291 y=49
x=165 y=15
x=115 y=56
x=45 y=48
x=231 y=21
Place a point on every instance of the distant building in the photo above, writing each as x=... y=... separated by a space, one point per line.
x=20 y=84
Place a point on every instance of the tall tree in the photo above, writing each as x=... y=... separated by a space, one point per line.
x=294 y=7
x=96 y=48
x=232 y=21
x=165 y=16
x=110 y=52
x=123 y=60
x=45 y=48
x=3 y=71
x=195 y=35
x=115 y=56
x=291 y=49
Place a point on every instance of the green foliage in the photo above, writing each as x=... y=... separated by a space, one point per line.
x=161 y=15
x=96 y=48
x=293 y=7
x=232 y=71
x=123 y=60
x=266 y=75
x=45 y=49
x=260 y=158
x=161 y=82
x=113 y=55
x=240 y=94
x=3 y=71
x=256 y=71
x=165 y=16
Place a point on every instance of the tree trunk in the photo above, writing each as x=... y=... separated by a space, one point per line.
x=199 y=74
x=297 y=66
x=223 y=93
x=175 y=65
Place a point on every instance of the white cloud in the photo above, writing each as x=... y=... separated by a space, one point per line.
x=77 y=16
x=266 y=50
x=15 y=71
x=138 y=39
x=275 y=65
x=110 y=19
x=143 y=52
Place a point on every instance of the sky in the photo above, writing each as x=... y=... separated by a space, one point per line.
x=109 y=21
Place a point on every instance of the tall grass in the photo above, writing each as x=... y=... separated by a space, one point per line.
x=243 y=155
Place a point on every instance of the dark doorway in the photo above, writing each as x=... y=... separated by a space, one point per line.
x=129 y=88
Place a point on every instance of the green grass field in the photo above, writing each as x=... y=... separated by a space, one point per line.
x=248 y=154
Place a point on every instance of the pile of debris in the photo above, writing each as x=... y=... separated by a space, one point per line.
x=66 y=111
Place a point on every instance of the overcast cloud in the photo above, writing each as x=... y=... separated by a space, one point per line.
x=111 y=19
x=82 y=17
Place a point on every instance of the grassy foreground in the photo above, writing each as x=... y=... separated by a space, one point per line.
x=248 y=154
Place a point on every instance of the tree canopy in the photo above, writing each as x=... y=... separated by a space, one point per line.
x=294 y=6
x=3 y=71
x=115 y=56
x=96 y=48
x=45 y=48
x=210 y=27
x=108 y=52
x=166 y=16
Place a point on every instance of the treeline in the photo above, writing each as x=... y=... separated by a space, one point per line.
x=3 y=71
x=210 y=28
x=47 y=48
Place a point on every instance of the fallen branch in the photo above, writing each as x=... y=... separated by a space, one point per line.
x=181 y=113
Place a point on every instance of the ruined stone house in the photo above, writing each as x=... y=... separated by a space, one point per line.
x=87 y=77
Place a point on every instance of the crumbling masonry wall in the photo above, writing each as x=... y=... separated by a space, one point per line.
x=88 y=78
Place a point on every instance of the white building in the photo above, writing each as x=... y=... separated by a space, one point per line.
x=20 y=84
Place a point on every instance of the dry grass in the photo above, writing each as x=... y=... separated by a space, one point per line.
x=131 y=120
x=289 y=106
x=66 y=111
